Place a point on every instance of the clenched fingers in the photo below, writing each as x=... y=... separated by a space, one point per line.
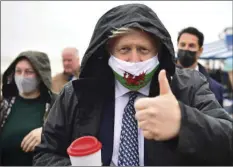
x=146 y=114
x=143 y=103
x=148 y=135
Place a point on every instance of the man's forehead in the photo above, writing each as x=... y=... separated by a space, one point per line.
x=133 y=35
x=70 y=51
x=67 y=53
x=186 y=37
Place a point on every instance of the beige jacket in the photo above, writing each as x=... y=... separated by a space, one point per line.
x=59 y=80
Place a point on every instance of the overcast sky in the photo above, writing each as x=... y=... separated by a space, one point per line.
x=51 y=26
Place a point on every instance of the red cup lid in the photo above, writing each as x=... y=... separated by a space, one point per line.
x=84 y=146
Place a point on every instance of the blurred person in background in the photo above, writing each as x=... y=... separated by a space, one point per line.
x=190 y=47
x=228 y=67
x=133 y=99
x=1 y=88
x=71 y=65
x=27 y=99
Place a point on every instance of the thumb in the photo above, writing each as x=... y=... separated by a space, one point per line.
x=163 y=83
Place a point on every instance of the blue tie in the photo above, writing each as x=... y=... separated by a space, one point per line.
x=128 y=151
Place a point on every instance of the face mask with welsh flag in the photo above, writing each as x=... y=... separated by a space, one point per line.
x=133 y=75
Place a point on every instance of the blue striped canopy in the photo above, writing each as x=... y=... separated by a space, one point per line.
x=220 y=49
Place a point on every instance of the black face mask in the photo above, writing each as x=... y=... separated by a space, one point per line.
x=186 y=57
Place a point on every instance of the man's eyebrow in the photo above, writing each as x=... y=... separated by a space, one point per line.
x=181 y=43
x=192 y=44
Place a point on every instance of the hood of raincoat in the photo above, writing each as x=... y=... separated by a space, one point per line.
x=95 y=60
x=41 y=64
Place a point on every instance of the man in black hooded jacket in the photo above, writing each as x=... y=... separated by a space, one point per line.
x=131 y=56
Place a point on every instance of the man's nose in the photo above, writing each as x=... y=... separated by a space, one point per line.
x=186 y=47
x=135 y=56
x=66 y=63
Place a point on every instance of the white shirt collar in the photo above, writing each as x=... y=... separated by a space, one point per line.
x=120 y=90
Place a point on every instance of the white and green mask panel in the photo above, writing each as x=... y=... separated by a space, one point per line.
x=134 y=75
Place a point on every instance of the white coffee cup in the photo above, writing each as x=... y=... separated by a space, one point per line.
x=85 y=151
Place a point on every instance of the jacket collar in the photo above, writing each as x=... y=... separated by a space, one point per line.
x=203 y=71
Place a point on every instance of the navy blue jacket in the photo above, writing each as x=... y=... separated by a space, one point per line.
x=215 y=87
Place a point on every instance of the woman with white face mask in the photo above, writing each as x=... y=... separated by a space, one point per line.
x=26 y=101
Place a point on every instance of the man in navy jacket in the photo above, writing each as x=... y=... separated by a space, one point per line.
x=190 y=46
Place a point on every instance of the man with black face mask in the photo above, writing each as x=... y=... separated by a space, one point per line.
x=190 y=46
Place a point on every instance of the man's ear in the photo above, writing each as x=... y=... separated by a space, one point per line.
x=157 y=43
x=109 y=46
x=199 y=52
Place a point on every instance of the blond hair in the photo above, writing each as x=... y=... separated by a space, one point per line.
x=120 y=31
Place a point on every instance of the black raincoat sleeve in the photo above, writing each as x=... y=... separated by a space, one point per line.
x=56 y=134
x=206 y=129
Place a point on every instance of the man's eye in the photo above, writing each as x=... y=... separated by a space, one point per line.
x=192 y=46
x=124 y=50
x=144 y=50
x=182 y=44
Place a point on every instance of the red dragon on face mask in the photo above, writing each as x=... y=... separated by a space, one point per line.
x=134 y=80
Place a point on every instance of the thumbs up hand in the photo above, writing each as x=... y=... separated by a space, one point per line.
x=159 y=118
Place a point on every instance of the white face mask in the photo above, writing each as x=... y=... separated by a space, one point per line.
x=133 y=75
x=26 y=85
